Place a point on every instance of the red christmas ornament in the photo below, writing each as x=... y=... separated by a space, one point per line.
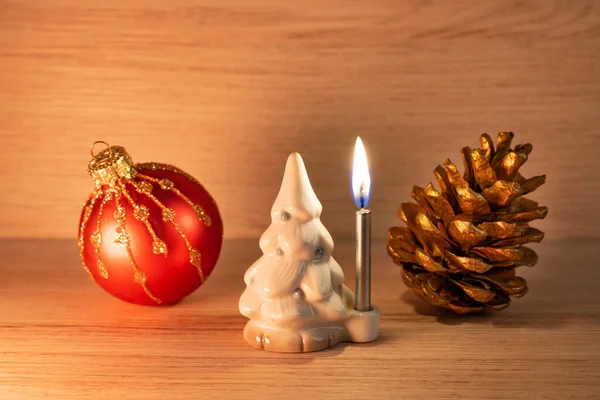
x=149 y=233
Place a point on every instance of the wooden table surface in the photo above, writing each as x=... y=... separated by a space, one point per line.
x=62 y=337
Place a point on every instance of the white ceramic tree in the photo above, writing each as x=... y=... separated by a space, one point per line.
x=295 y=296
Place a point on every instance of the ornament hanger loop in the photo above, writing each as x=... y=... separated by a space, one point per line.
x=96 y=156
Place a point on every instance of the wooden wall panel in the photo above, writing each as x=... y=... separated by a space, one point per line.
x=226 y=89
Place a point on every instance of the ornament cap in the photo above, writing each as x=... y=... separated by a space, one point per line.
x=110 y=164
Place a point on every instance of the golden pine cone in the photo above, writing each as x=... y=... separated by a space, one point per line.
x=460 y=247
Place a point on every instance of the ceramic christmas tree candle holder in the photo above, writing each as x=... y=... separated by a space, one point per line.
x=295 y=297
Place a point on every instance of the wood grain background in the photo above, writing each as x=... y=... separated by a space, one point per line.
x=226 y=89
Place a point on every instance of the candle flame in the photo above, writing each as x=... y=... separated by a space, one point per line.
x=361 y=180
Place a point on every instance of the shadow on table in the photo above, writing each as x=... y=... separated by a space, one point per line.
x=534 y=317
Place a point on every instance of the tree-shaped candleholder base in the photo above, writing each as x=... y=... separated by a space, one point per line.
x=358 y=327
x=295 y=296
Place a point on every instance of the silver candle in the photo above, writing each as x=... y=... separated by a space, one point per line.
x=361 y=188
x=363 y=260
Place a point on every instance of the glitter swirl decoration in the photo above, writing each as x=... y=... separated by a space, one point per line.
x=149 y=233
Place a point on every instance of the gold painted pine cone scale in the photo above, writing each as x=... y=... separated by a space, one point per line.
x=462 y=243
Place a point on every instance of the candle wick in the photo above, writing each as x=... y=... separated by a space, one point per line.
x=362 y=196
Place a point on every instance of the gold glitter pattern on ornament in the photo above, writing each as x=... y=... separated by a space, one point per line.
x=110 y=194
x=195 y=258
x=169 y=215
x=166 y=167
x=194 y=254
x=143 y=187
x=171 y=168
x=96 y=239
x=138 y=275
x=141 y=212
x=123 y=239
x=201 y=215
x=120 y=214
x=86 y=216
x=102 y=269
x=159 y=247
x=166 y=184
